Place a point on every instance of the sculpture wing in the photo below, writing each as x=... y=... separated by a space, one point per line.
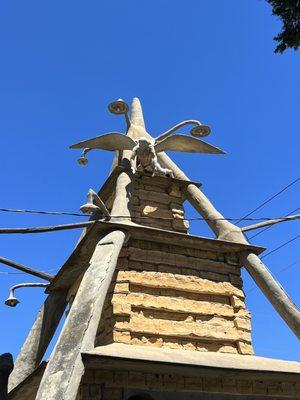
x=110 y=141
x=186 y=144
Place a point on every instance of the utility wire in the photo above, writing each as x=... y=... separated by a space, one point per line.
x=25 y=273
x=24 y=211
x=12 y=210
x=270 y=226
x=268 y=200
x=281 y=246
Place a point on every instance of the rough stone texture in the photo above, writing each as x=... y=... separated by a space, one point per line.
x=157 y=202
x=175 y=297
x=118 y=385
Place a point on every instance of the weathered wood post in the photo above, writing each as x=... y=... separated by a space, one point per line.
x=63 y=373
x=39 y=337
x=6 y=366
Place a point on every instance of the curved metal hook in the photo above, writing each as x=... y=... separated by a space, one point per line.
x=178 y=126
x=12 y=301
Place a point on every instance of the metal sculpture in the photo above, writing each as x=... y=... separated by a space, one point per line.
x=144 y=149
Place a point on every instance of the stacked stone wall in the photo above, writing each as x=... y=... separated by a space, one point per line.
x=116 y=385
x=158 y=203
x=176 y=297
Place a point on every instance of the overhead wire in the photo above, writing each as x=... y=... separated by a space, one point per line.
x=280 y=247
x=65 y=213
x=268 y=200
x=270 y=226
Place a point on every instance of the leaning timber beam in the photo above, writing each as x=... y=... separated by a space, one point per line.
x=225 y=230
x=39 y=337
x=65 y=368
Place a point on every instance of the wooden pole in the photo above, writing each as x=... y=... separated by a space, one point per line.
x=39 y=337
x=65 y=368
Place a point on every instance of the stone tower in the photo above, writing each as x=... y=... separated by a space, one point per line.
x=155 y=313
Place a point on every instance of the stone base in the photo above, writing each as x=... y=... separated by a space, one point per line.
x=175 y=297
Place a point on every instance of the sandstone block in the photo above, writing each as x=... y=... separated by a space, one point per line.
x=179 y=282
x=174 y=190
x=121 y=337
x=156 y=212
x=236 y=302
x=245 y=348
x=121 y=308
x=122 y=287
x=180 y=305
x=181 y=329
x=163 y=198
x=180 y=225
x=243 y=323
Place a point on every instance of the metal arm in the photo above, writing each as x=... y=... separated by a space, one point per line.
x=204 y=128
x=270 y=222
x=12 y=301
x=39 y=274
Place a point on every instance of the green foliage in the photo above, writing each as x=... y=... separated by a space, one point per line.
x=289 y=12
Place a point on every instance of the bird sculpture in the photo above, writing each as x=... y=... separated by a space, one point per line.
x=145 y=149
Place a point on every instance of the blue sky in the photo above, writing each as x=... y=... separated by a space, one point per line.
x=63 y=62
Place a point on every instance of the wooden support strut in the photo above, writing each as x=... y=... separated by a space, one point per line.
x=65 y=368
x=39 y=337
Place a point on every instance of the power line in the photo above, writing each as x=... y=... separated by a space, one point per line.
x=270 y=226
x=25 y=273
x=12 y=210
x=281 y=246
x=268 y=200
x=24 y=211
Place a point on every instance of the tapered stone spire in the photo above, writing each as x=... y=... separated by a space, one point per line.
x=136 y=116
